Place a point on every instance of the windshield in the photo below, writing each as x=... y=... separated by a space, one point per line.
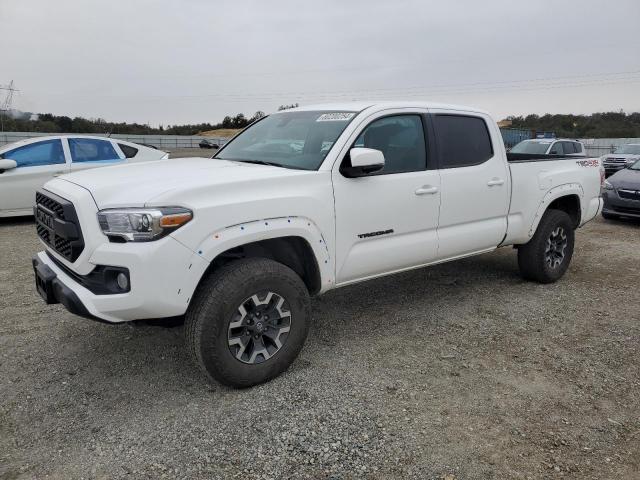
x=635 y=166
x=531 y=146
x=290 y=139
x=628 y=149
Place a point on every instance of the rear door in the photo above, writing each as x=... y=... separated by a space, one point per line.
x=475 y=183
x=92 y=152
x=37 y=162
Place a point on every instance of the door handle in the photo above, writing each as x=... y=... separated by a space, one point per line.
x=495 y=181
x=426 y=190
x=57 y=174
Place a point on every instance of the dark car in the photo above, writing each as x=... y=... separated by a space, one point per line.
x=621 y=193
x=204 y=143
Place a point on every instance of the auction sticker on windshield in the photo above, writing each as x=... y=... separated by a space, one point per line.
x=335 y=117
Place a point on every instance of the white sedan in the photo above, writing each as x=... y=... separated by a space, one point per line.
x=28 y=164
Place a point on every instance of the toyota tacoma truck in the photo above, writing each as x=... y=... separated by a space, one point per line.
x=301 y=202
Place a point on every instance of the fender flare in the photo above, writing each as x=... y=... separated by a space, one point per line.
x=240 y=234
x=554 y=193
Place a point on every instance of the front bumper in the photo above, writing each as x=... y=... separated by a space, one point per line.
x=53 y=290
x=163 y=277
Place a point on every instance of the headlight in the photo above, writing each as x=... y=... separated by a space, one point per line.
x=607 y=185
x=142 y=224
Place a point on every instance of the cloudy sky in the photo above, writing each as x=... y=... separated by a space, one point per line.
x=187 y=61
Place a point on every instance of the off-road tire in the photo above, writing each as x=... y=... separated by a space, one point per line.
x=533 y=258
x=217 y=298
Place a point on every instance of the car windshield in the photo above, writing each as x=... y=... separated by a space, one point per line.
x=298 y=140
x=635 y=166
x=531 y=146
x=628 y=150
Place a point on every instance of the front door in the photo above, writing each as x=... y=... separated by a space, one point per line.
x=37 y=162
x=387 y=221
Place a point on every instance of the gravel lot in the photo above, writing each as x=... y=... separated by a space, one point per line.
x=460 y=371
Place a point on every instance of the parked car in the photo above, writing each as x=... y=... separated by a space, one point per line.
x=551 y=146
x=27 y=165
x=206 y=143
x=621 y=193
x=622 y=157
x=240 y=241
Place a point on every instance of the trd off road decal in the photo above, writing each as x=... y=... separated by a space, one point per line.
x=589 y=163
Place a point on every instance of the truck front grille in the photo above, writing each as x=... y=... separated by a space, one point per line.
x=57 y=225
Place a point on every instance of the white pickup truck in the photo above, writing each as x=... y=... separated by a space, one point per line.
x=301 y=202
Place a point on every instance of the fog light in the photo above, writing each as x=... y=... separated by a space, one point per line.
x=122 y=281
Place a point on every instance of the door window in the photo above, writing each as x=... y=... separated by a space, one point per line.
x=401 y=139
x=557 y=149
x=462 y=140
x=569 y=147
x=91 y=150
x=48 y=152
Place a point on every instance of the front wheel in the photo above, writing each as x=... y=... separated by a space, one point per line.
x=248 y=321
x=546 y=257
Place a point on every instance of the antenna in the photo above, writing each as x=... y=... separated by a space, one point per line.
x=8 y=100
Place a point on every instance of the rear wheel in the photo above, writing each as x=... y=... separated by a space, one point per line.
x=248 y=321
x=546 y=257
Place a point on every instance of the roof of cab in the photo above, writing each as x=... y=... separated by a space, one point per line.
x=363 y=105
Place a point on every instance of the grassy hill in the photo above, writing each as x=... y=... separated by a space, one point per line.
x=220 y=132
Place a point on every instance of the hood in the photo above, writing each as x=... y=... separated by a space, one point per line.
x=626 y=178
x=136 y=184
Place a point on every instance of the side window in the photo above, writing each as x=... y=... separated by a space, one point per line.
x=91 y=150
x=401 y=139
x=128 y=150
x=557 y=149
x=462 y=140
x=48 y=152
x=569 y=147
x=578 y=147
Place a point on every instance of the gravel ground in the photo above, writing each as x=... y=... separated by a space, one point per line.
x=460 y=371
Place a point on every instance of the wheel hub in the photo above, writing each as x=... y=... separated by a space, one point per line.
x=259 y=327
x=556 y=245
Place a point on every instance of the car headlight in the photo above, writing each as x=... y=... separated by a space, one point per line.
x=142 y=224
x=607 y=185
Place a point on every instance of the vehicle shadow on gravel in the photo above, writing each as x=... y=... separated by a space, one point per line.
x=16 y=221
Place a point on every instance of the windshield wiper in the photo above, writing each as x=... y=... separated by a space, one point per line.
x=264 y=162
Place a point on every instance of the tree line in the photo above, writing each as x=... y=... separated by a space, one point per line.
x=597 y=125
x=50 y=123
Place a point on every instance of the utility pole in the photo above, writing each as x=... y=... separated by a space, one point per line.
x=8 y=100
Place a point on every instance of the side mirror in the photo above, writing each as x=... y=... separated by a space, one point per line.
x=364 y=161
x=7 y=164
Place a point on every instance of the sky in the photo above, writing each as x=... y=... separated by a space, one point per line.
x=191 y=61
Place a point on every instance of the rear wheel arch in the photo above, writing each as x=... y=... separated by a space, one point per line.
x=565 y=198
x=570 y=204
